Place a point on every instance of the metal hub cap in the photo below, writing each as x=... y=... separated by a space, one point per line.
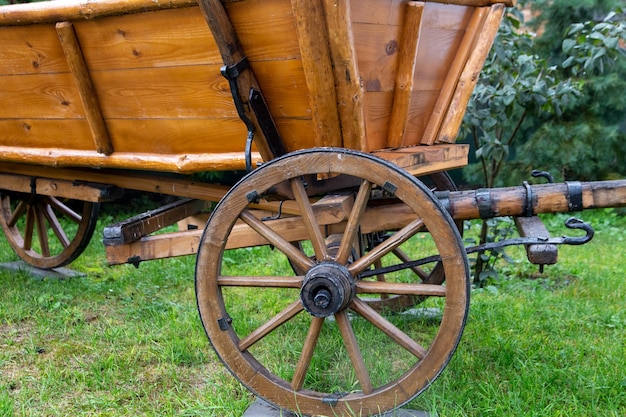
x=327 y=288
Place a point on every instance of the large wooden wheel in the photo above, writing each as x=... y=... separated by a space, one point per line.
x=311 y=342
x=44 y=231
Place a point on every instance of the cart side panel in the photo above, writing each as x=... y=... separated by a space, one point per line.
x=156 y=75
x=378 y=36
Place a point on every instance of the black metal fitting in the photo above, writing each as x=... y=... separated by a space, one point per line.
x=574 y=196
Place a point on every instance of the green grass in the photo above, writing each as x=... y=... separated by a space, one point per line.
x=124 y=341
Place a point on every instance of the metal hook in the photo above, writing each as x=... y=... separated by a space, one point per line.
x=537 y=173
x=574 y=223
x=277 y=216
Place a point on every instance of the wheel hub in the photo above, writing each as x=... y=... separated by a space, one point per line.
x=327 y=288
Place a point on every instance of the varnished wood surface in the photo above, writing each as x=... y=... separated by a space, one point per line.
x=330 y=73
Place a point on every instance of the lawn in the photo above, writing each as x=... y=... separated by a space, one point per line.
x=124 y=341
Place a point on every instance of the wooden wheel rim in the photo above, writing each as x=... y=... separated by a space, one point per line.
x=245 y=366
x=45 y=217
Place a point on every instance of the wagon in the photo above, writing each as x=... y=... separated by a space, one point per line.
x=345 y=117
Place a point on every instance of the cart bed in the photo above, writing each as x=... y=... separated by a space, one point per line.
x=136 y=84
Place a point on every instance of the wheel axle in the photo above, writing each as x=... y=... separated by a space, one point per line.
x=328 y=288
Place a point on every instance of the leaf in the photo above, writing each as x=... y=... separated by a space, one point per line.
x=568 y=45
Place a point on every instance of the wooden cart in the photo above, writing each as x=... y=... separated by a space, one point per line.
x=334 y=108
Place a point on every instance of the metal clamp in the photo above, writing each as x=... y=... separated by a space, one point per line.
x=574 y=195
x=483 y=201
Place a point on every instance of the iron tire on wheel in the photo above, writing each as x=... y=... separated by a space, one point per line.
x=326 y=305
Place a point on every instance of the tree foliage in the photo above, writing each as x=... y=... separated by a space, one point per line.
x=536 y=110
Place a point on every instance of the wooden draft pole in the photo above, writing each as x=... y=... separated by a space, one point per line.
x=529 y=200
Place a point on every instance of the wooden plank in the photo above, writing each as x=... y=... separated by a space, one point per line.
x=178 y=137
x=58 y=188
x=537 y=254
x=266 y=29
x=45 y=133
x=377 y=48
x=78 y=68
x=406 y=74
x=30 y=50
x=148 y=40
x=317 y=65
x=469 y=76
x=445 y=96
x=170 y=92
x=40 y=96
x=349 y=90
x=421 y=160
x=29 y=13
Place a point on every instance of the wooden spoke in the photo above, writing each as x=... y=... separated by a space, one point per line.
x=292 y=252
x=386 y=246
x=388 y=328
x=29 y=229
x=278 y=282
x=19 y=211
x=307 y=353
x=65 y=210
x=42 y=232
x=282 y=317
x=416 y=269
x=56 y=227
x=308 y=218
x=382 y=287
x=267 y=358
x=352 y=228
x=72 y=224
x=354 y=352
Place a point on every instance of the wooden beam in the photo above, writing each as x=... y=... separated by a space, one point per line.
x=52 y=12
x=469 y=77
x=318 y=71
x=95 y=193
x=177 y=163
x=151 y=221
x=537 y=254
x=447 y=90
x=151 y=182
x=406 y=73
x=350 y=93
x=422 y=160
x=86 y=90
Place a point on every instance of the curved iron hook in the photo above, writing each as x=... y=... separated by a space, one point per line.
x=574 y=223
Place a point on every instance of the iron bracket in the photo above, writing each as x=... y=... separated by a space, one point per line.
x=571 y=223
